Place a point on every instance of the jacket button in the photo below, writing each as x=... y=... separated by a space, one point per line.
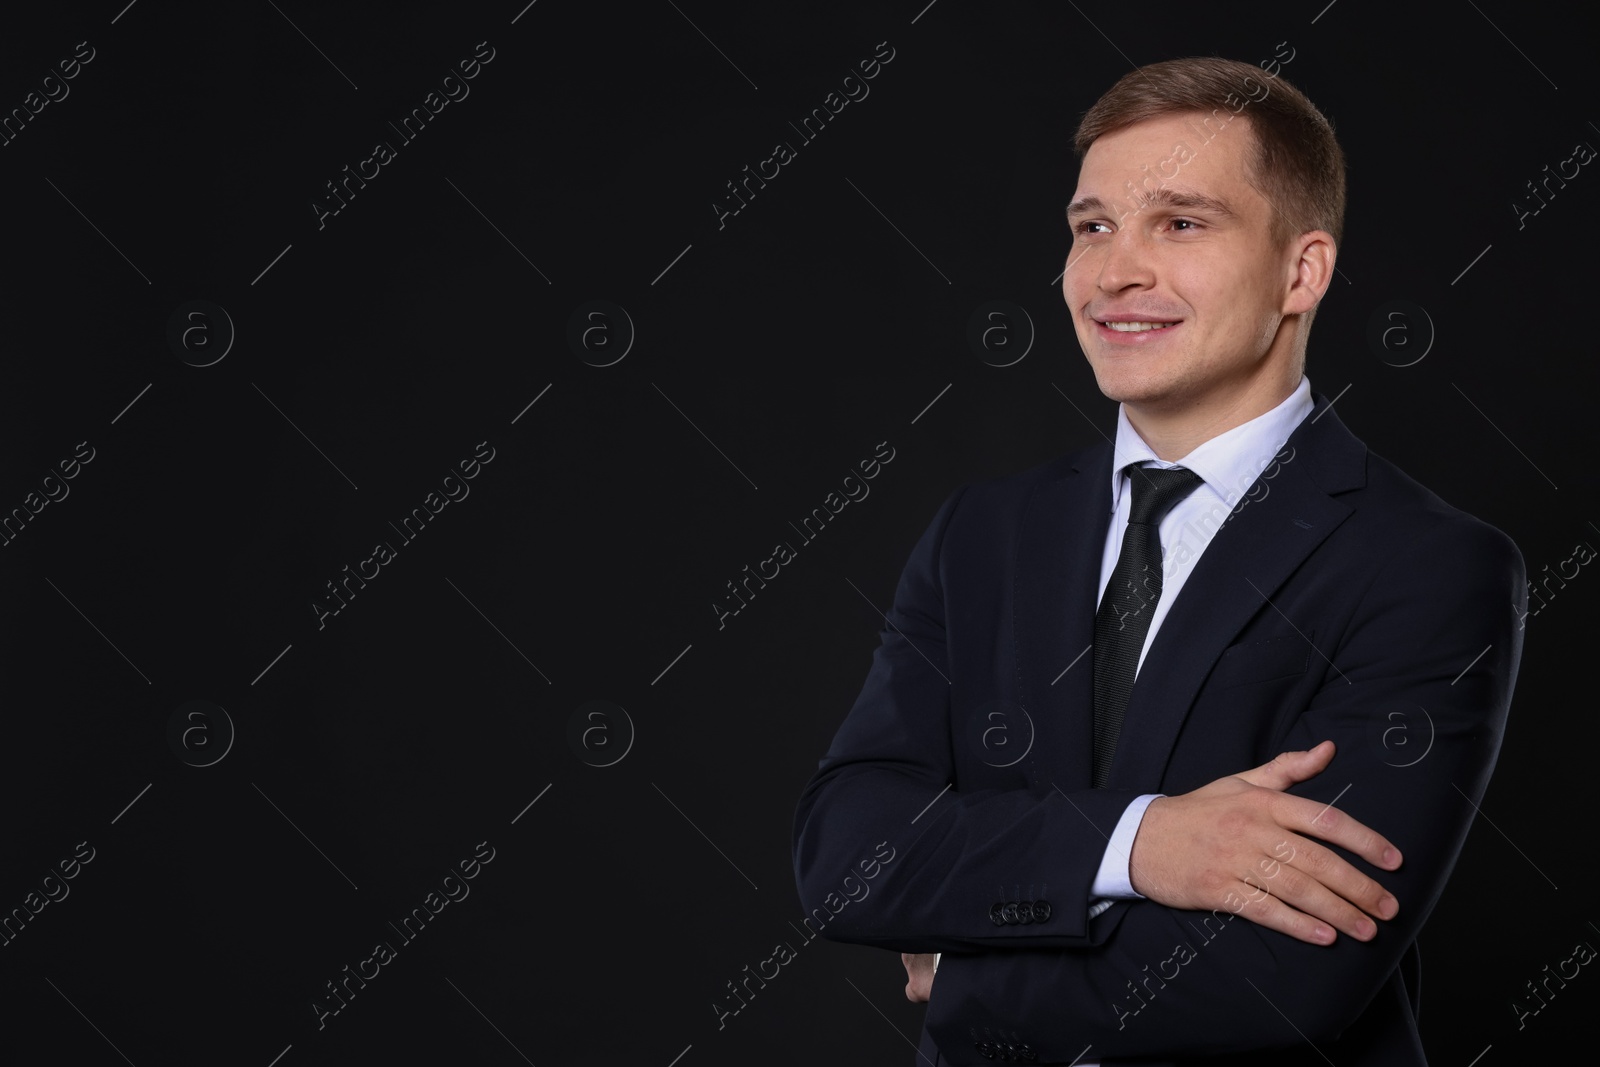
x=995 y=914
x=1041 y=911
x=986 y=1050
x=1009 y=912
x=1025 y=912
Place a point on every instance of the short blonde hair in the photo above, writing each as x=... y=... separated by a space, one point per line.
x=1297 y=163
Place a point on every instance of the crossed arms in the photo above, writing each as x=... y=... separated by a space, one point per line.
x=1253 y=845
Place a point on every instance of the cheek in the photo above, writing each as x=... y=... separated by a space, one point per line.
x=1078 y=283
x=1069 y=292
x=1233 y=301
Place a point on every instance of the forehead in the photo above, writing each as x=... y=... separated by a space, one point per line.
x=1192 y=151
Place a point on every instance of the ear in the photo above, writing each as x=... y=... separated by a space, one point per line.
x=1310 y=271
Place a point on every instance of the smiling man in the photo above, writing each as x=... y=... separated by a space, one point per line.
x=1133 y=741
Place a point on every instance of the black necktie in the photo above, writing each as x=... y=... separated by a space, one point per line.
x=1130 y=599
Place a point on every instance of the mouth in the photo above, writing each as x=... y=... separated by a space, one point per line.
x=1133 y=331
x=1135 y=327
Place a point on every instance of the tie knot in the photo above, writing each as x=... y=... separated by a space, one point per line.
x=1157 y=490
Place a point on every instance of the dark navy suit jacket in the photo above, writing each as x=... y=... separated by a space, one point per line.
x=1340 y=599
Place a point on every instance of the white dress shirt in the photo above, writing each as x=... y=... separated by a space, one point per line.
x=1230 y=463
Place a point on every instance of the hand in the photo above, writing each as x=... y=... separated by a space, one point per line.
x=1243 y=844
x=919 y=975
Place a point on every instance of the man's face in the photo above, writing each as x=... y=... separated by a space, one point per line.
x=1186 y=246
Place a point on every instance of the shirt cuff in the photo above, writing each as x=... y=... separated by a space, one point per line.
x=1112 y=881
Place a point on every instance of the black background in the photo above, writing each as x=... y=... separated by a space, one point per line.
x=769 y=356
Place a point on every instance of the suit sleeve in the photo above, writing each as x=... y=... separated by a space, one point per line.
x=886 y=788
x=1432 y=651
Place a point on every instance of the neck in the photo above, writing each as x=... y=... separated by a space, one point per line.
x=1174 y=427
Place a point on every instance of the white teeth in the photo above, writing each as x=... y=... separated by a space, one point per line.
x=1135 y=327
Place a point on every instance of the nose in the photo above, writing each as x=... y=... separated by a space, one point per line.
x=1127 y=261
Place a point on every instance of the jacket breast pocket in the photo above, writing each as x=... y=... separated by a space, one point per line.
x=1263 y=661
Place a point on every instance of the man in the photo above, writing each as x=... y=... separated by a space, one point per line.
x=1323 y=649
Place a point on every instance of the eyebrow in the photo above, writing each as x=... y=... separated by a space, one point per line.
x=1160 y=198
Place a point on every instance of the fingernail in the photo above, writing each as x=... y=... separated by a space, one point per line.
x=1388 y=907
x=1391 y=857
x=1322 y=934
x=1366 y=929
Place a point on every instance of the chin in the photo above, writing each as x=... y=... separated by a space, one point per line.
x=1126 y=386
x=1134 y=397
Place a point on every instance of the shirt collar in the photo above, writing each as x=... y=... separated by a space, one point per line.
x=1230 y=461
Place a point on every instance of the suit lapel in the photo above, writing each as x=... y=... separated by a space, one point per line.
x=1057 y=577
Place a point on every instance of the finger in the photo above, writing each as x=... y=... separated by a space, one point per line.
x=1327 y=823
x=1339 y=878
x=1272 y=913
x=1311 y=897
x=1320 y=882
x=1289 y=768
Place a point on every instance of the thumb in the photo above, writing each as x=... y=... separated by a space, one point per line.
x=1288 y=768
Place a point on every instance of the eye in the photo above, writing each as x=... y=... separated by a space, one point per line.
x=1083 y=227
x=1188 y=224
